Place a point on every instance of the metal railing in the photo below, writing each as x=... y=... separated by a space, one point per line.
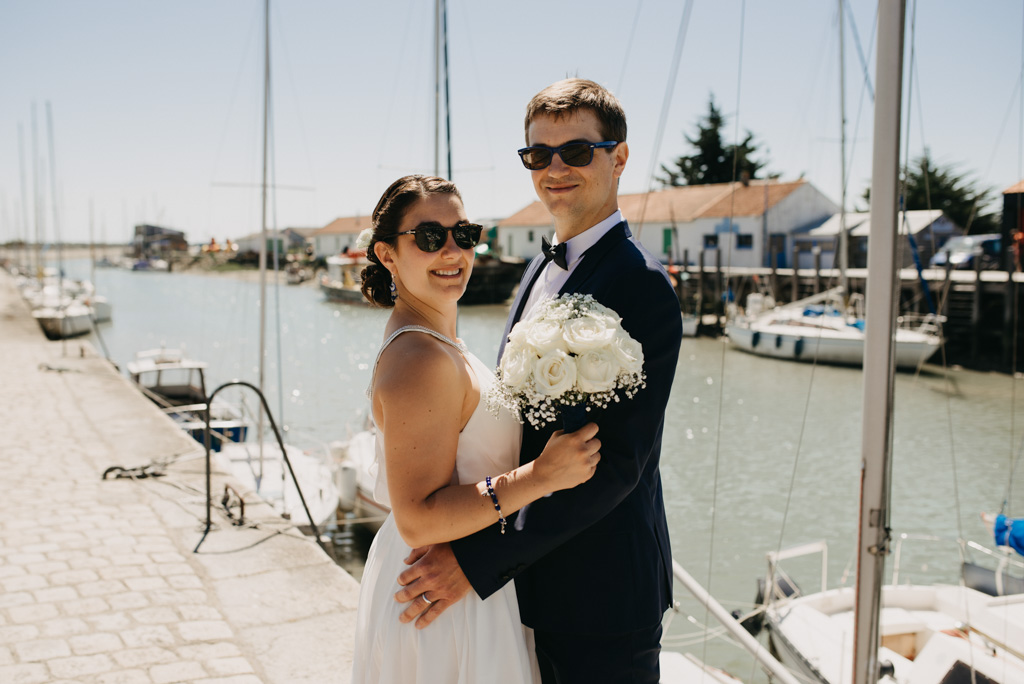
x=284 y=455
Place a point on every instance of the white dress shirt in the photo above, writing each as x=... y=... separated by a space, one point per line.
x=552 y=276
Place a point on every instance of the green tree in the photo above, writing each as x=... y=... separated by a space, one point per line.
x=713 y=160
x=958 y=196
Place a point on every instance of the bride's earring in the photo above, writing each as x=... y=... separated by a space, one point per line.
x=394 y=291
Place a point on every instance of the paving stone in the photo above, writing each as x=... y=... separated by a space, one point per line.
x=156 y=615
x=124 y=677
x=228 y=666
x=109 y=622
x=63 y=627
x=128 y=601
x=85 y=606
x=176 y=672
x=237 y=679
x=150 y=635
x=30 y=673
x=33 y=612
x=77 y=666
x=6 y=657
x=204 y=630
x=89 y=644
x=73 y=577
x=141 y=657
x=146 y=583
x=197 y=612
x=42 y=649
x=24 y=583
x=121 y=572
x=55 y=594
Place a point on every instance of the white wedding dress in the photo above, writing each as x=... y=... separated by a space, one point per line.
x=473 y=640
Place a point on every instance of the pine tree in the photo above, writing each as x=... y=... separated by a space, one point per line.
x=713 y=161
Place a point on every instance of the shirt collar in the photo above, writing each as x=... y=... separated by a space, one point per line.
x=576 y=246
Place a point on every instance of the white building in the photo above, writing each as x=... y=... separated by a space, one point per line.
x=339 y=235
x=930 y=230
x=289 y=240
x=745 y=221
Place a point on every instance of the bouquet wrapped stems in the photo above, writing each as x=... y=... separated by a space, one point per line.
x=574 y=416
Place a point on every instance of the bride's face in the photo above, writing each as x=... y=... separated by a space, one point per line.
x=442 y=274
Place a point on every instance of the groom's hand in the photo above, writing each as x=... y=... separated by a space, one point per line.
x=434 y=572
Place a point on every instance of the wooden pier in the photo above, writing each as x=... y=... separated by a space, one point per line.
x=983 y=327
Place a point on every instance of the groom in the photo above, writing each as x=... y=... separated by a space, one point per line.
x=592 y=565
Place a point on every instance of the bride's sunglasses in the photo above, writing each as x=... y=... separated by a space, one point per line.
x=537 y=157
x=431 y=237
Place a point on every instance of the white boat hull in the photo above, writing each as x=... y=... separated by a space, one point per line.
x=71 y=321
x=921 y=631
x=826 y=345
x=276 y=485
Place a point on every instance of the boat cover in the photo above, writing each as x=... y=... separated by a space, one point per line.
x=1010 y=532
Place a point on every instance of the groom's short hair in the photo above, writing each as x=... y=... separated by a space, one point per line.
x=566 y=97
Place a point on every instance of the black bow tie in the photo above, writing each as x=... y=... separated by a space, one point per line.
x=556 y=253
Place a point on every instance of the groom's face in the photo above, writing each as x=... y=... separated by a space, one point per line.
x=578 y=197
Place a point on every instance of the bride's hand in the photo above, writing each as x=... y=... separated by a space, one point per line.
x=569 y=459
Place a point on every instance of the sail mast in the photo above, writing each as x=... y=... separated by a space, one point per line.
x=437 y=87
x=844 y=240
x=263 y=215
x=873 y=530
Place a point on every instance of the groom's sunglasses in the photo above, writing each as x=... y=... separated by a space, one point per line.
x=537 y=157
x=431 y=237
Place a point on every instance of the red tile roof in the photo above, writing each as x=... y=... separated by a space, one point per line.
x=683 y=204
x=345 y=225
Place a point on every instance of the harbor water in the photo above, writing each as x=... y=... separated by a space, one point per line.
x=758 y=454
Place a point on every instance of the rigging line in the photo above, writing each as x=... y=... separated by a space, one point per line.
x=866 y=84
x=395 y=83
x=860 y=51
x=666 y=103
x=282 y=50
x=278 y=244
x=629 y=46
x=242 y=69
x=725 y=292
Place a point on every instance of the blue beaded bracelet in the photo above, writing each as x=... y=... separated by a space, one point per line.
x=494 y=500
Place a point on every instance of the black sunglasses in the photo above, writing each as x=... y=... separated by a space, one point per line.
x=431 y=237
x=537 y=157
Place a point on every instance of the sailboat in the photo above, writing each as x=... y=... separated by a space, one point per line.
x=260 y=466
x=911 y=633
x=829 y=327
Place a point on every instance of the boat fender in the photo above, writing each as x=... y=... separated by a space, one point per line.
x=886 y=669
x=754 y=622
x=798 y=348
x=754 y=339
x=778 y=341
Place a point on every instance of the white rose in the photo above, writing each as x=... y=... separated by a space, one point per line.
x=545 y=336
x=516 y=365
x=596 y=370
x=554 y=373
x=628 y=352
x=589 y=332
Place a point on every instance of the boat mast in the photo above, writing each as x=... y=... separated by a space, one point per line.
x=437 y=87
x=37 y=208
x=844 y=241
x=263 y=231
x=873 y=530
x=56 y=231
x=25 y=256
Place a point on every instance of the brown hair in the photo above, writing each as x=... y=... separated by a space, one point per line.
x=386 y=219
x=569 y=96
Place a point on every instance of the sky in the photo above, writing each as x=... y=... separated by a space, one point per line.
x=156 y=107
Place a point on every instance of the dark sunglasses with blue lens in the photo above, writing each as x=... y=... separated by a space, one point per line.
x=537 y=157
x=431 y=236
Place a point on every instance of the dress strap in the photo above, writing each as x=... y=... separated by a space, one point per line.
x=407 y=328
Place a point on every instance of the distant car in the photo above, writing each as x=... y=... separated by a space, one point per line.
x=962 y=250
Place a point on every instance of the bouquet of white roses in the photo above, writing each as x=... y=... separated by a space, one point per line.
x=569 y=356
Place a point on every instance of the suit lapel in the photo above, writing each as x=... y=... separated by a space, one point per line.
x=529 y=278
x=593 y=256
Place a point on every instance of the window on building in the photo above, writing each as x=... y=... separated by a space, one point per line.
x=711 y=241
x=744 y=241
x=529 y=236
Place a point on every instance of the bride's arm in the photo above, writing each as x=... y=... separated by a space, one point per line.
x=420 y=398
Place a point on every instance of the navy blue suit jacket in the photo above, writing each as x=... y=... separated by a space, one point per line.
x=596 y=558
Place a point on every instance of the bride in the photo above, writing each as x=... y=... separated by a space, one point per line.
x=447 y=466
